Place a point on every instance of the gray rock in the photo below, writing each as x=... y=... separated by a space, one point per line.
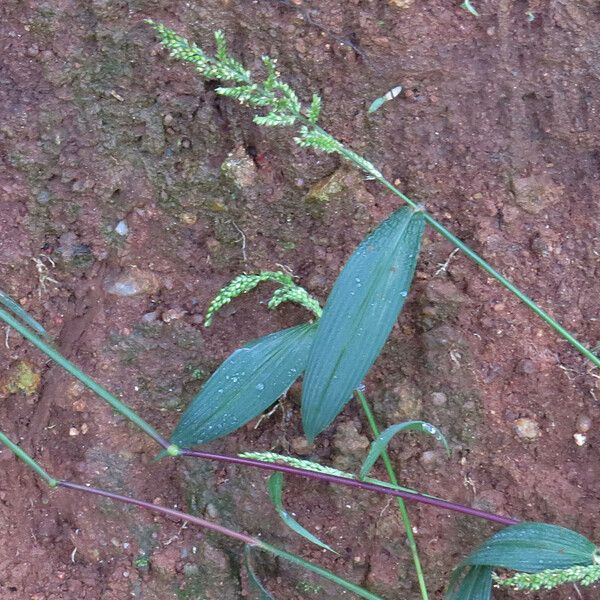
x=131 y=282
x=43 y=197
x=122 y=228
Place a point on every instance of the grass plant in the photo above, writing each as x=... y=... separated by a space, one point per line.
x=333 y=351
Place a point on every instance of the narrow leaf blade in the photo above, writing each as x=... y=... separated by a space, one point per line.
x=379 y=102
x=534 y=547
x=246 y=384
x=381 y=443
x=276 y=494
x=376 y=104
x=263 y=593
x=470 y=8
x=359 y=314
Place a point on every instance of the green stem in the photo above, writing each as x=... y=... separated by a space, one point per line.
x=540 y=312
x=401 y=505
x=28 y=461
x=348 y=585
x=87 y=381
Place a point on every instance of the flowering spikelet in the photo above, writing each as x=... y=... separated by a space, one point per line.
x=284 y=106
x=289 y=292
x=551 y=578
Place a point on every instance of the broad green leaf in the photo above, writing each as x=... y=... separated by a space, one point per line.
x=19 y=311
x=246 y=384
x=526 y=547
x=263 y=594
x=381 y=443
x=359 y=314
x=534 y=547
x=475 y=585
x=276 y=493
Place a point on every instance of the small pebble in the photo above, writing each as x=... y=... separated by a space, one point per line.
x=73 y=431
x=43 y=197
x=190 y=569
x=188 y=218
x=583 y=424
x=438 y=399
x=579 y=438
x=299 y=445
x=122 y=228
x=173 y=314
x=429 y=459
x=527 y=429
x=79 y=406
x=131 y=282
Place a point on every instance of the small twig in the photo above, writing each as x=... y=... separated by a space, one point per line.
x=243 y=240
x=267 y=415
x=568 y=372
x=43 y=272
x=443 y=267
x=287 y=270
x=387 y=505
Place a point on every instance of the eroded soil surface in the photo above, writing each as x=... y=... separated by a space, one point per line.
x=123 y=172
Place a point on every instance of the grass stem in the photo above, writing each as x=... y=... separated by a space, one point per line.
x=174 y=451
x=401 y=505
x=353 y=483
x=179 y=515
x=359 y=591
x=471 y=254
x=66 y=364
x=32 y=464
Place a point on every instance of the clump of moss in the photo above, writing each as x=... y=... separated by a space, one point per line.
x=20 y=378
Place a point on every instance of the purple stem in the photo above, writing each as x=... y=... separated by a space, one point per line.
x=354 y=483
x=170 y=512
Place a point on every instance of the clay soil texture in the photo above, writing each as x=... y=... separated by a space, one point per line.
x=130 y=192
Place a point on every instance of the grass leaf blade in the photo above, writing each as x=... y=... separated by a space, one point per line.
x=466 y=5
x=379 y=102
x=359 y=314
x=381 y=443
x=276 y=494
x=263 y=594
x=246 y=384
